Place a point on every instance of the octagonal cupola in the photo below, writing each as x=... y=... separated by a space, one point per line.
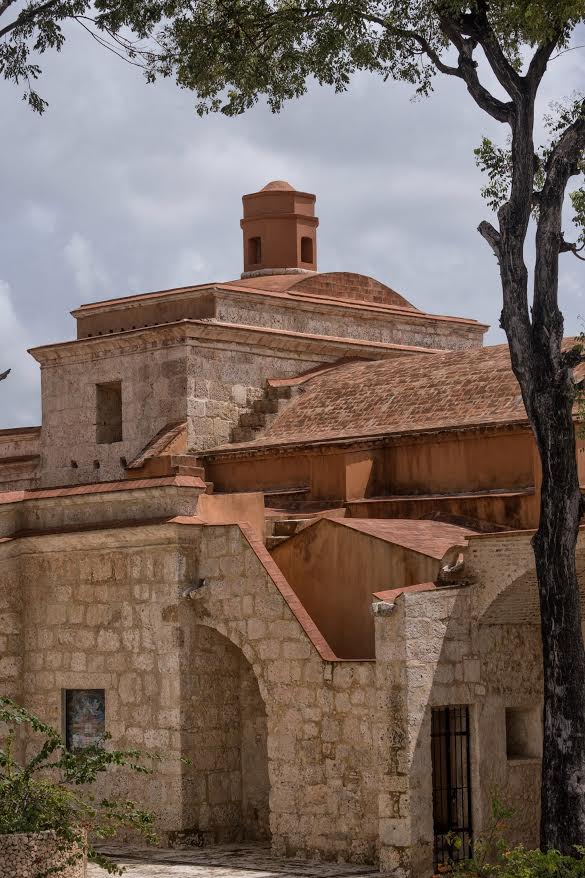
x=279 y=230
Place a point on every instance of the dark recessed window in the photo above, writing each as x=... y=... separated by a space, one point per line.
x=109 y=413
x=84 y=717
x=523 y=732
x=254 y=251
x=306 y=249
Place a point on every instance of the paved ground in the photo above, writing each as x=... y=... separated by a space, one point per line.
x=223 y=861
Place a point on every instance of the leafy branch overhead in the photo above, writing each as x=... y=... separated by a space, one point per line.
x=232 y=52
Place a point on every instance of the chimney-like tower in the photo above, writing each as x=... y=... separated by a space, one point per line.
x=280 y=230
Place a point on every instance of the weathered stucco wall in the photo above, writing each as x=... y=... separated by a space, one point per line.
x=334 y=570
x=402 y=469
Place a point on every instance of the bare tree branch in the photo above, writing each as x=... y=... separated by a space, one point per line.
x=491 y=235
x=538 y=64
x=499 y=110
x=477 y=25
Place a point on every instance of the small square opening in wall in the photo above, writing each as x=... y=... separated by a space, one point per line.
x=109 y=413
x=84 y=717
x=523 y=732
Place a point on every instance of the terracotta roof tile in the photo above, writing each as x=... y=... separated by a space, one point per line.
x=385 y=397
x=431 y=538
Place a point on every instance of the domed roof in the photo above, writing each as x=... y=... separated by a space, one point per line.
x=277 y=186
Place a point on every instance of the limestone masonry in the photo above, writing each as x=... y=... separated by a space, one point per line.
x=281 y=526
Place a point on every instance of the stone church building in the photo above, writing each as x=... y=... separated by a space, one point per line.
x=281 y=526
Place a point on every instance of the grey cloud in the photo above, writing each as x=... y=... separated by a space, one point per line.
x=120 y=188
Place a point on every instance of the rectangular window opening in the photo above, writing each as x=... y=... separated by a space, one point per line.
x=451 y=773
x=84 y=717
x=523 y=732
x=254 y=251
x=307 y=250
x=109 y=413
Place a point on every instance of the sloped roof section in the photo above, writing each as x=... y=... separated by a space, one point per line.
x=431 y=538
x=386 y=397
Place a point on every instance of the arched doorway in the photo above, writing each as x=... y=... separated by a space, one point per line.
x=224 y=735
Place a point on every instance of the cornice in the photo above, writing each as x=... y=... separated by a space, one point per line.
x=307 y=301
x=356 y=443
x=263 y=340
x=291 y=298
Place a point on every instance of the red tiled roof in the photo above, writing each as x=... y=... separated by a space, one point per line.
x=392 y=593
x=431 y=538
x=385 y=397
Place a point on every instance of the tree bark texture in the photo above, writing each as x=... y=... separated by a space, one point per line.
x=544 y=374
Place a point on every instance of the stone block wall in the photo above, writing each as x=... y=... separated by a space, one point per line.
x=208 y=386
x=433 y=651
x=389 y=328
x=154 y=392
x=224 y=736
x=319 y=714
x=11 y=626
x=27 y=855
x=279 y=735
x=101 y=613
x=222 y=384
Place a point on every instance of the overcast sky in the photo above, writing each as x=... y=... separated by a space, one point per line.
x=120 y=188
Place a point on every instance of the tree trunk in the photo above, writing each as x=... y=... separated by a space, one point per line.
x=544 y=375
x=563 y=764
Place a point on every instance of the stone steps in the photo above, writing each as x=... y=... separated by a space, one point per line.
x=256 y=420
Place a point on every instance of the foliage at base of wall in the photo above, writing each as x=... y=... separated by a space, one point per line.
x=51 y=790
x=494 y=858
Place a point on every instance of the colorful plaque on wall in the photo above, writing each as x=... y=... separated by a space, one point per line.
x=85 y=717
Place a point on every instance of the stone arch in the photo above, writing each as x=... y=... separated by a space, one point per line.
x=517 y=603
x=225 y=738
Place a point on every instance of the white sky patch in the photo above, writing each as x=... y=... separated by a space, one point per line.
x=19 y=392
x=90 y=278
x=40 y=218
x=189 y=268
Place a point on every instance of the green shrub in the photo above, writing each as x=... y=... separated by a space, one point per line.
x=51 y=790
x=493 y=858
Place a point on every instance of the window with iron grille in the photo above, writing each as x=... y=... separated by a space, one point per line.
x=450 y=751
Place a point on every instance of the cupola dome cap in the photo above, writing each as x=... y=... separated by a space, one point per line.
x=278 y=186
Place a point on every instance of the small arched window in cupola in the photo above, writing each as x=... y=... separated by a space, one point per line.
x=307 y=250
x=254 y=251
